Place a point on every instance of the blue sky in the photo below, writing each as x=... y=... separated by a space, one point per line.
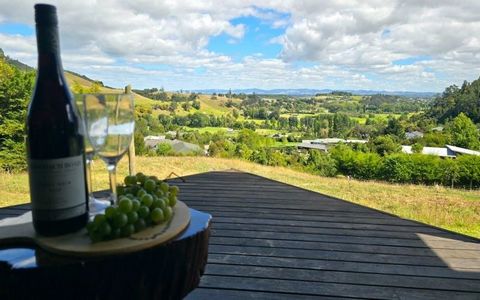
x=258 y=44
x=257 y=40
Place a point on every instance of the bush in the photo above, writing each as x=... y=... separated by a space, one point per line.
x=164 y=149
x=321 y=163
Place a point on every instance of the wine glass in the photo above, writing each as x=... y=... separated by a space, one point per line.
x=112 y=114
x=95 y=205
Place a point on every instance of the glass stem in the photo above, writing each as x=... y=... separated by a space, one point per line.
x=112 y=172
x=89 y=177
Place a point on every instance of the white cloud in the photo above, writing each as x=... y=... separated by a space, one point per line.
x=348 y=44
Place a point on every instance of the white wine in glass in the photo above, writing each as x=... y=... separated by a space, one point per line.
x=95 y=205
x=115 y=112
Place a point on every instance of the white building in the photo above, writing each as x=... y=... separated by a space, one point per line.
x=447 y=151
x=324 y=144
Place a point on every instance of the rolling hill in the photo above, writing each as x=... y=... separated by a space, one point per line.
x=147 y=105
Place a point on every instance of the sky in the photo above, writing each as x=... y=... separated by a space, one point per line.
x=408 y=45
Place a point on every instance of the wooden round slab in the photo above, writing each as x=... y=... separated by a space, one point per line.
x=79 y=244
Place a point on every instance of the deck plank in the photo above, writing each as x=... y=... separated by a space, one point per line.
x=271 y=240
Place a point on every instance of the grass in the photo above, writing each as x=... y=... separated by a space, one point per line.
x=452 y=209
x=263 y=131
x=211 y=130
x=286 y=144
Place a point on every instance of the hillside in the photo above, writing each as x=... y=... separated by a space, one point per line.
x=453 y=209
x=455 y=100
x=207 y=105
x=15 y=62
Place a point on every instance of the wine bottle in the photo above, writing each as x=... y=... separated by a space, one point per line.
x=55 y=139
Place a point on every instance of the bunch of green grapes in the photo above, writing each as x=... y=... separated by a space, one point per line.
x=142 y=202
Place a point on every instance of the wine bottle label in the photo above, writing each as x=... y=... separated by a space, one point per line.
x=57 y=188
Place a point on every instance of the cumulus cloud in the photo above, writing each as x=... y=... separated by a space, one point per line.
x=348 y=44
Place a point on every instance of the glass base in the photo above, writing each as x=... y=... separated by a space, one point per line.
x=97 y=206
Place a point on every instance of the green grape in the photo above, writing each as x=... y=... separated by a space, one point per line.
x=158 y=192
x=116 y=233
x=172 y=200
x=120 y=190
x=174 y=190
x=125 y=205
x=135 y=205
x=110 y=212
x=164 y=187
x=105 y=229
x=149 y=185
x=128 y=230
x=120 y=220
x=147 y=200
x=132 y=217
x=143 y=201
x=130 y=180
x=143 y=212
x=91 y=227
x=99 y=219
x=96 y=236
x=141 y=178
x=140 y=225
x=168 y=212
x=154 y=178
x=157 y=215
x=135 y=189
x=158 y=203
x=141 y=192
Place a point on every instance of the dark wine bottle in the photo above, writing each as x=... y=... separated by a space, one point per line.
x=55 y=139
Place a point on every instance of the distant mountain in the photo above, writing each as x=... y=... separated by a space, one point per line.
x=289 y=92
x=311 y=92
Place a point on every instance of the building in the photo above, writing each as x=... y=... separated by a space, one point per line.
x=178 y=147
x=413 y=135
x=325 y=144
x=447 y=151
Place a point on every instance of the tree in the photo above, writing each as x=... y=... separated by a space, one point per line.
x=196 y=104
x=139 y=142
x=173 y=106
x=15 y=91
x=321 y=163
x=469 y=169
x=394 y=127
x=77 y=88
x=94 y=88
x=417 y=148
x=463 y=132
x=384 y=145
x=235 y=113
x=186 y=106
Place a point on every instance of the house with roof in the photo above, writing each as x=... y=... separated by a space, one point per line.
x=178 y=147
x=447 y=151
x=325 y=144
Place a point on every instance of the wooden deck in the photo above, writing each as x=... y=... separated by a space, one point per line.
x=275 y=241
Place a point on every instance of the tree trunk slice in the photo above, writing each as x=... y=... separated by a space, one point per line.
x=79 y=244
x=167 y=271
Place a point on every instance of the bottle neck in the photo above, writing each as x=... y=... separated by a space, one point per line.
x=48 y=49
